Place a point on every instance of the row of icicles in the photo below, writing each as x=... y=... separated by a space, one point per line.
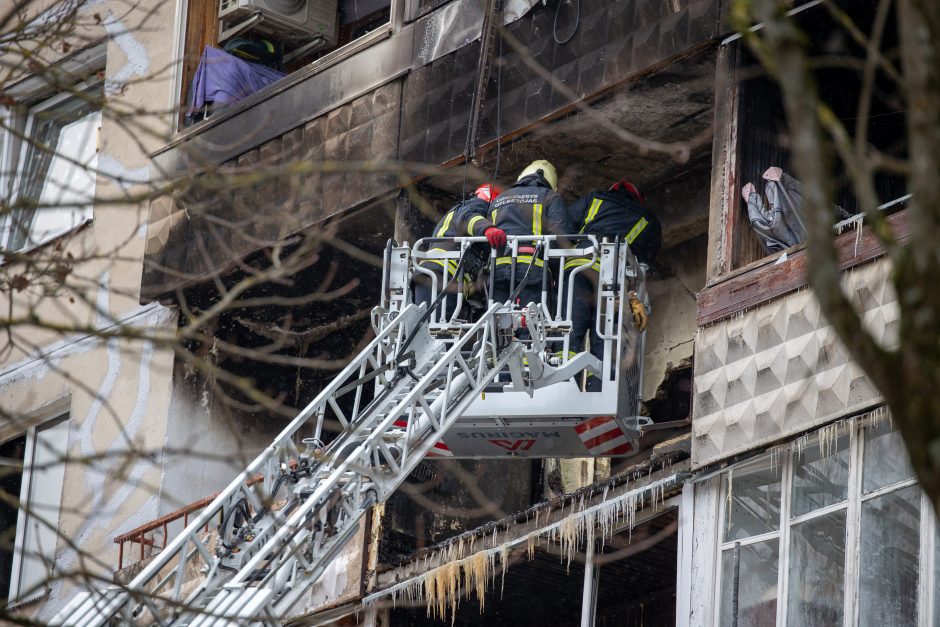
x=463 y=572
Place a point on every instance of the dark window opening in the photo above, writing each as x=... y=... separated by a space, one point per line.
x=636 y=585
x=12 y=454
x=444 y=498
x=763 y=133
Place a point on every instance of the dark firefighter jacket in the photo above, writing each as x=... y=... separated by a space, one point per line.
x=530 y=207
x=465 y=219
x=617 y=214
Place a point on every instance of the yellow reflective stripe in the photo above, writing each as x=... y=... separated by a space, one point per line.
x=521 y=259
x=578 y=262
x=592 y=213
x=636 y=230
x=450 y=262
x=493 y=216
x=470 y=224
x=537 y=219
x=446 y=225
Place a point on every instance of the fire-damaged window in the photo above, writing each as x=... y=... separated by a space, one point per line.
x=764 y=193
x=32 y=470
x=233 y=48
x=836 y=526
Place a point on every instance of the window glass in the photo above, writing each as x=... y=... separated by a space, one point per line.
x=936 y=571
x=820 y=480
x=888 y=559
x=56 y=168
x=756 y=590
x=47 y=472
x=754 y=498
x=817 y=571
x=886 y=460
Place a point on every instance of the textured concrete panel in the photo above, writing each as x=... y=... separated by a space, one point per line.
x=779 y=369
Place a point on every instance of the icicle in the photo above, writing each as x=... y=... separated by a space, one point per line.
x=728 y=504
x=858 y=231
x=504 y=564
x=829 y=438
x=800 y=444
x=530 y=541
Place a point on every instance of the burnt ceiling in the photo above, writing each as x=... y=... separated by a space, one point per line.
x=669 y=113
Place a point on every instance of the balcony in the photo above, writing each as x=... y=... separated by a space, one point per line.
x=404 y=99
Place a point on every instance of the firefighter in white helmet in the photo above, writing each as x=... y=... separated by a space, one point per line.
x=530 y=207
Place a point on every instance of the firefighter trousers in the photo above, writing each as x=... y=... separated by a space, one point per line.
x=583 y=315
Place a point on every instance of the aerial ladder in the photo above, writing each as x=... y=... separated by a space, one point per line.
x=429 y=384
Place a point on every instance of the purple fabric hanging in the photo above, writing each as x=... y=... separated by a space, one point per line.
x=223 y=79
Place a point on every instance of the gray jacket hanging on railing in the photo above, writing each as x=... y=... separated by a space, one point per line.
x=780 y=222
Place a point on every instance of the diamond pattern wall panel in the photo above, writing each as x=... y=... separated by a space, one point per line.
x=779 y=369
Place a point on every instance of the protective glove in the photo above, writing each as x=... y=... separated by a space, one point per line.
x=640 y=319
x=496 y=237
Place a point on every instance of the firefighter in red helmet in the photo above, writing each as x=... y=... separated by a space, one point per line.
x=618 y=213
x=469 y=218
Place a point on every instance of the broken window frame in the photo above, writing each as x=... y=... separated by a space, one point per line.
x=17 y=146
x=43 y=470
x=928 y=595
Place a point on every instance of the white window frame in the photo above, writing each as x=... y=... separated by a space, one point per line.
x=22 y=590
x=927 y=601
x=11 y=165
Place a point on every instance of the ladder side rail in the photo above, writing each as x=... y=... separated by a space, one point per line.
x=610 y=308
x=384 y=296
x=569 y=298
x=247 y=476
x=433 y=278
x=637 y=274
x=546 y=269
x=424 y=436
x=466 y=388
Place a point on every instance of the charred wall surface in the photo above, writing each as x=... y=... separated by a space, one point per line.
x=308 y=175
x=255 y=189
x=536 y=75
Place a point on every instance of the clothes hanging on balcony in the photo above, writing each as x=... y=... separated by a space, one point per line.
x=223 y=79
x=779 y=223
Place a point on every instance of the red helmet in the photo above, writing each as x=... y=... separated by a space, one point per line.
x=488 y=192
x=627 y=186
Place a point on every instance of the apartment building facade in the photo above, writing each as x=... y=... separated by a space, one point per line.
x=782 y=499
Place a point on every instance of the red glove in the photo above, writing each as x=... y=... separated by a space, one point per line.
x=496 y=237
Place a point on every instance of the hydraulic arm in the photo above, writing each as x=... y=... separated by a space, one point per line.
x=286 y=516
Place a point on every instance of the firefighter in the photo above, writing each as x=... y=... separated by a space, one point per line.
x=466 y=219
x=617 y=213
x=530 y=207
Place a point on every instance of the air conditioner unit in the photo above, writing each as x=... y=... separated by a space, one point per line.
x=286 y=20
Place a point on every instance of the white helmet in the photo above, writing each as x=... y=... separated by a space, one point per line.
x=545 y=169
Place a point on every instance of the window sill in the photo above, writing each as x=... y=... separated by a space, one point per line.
x=775 y=275
x=12 y=257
